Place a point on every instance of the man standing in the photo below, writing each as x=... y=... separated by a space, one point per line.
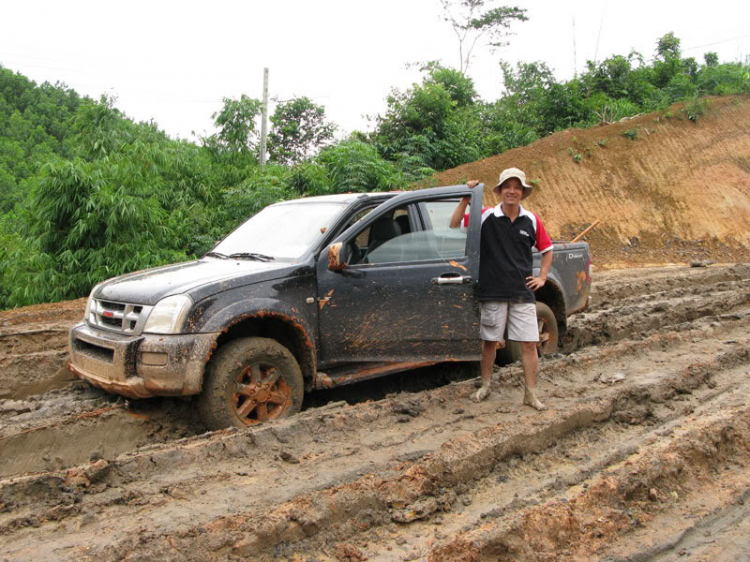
x=509 y=233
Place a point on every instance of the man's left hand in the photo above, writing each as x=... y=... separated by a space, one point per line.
x=535 y=283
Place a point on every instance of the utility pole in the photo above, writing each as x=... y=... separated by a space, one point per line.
x=264 y=119
x=575 y=55
x=601 y=24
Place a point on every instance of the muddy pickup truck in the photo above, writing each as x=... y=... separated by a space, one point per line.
x=307 y=294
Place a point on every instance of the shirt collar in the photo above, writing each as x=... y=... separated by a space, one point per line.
x=499 y=210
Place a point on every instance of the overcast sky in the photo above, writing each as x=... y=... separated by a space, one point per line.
x=173 y=61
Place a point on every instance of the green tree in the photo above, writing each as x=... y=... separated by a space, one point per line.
x=473 y=20
x=436 y=121
x=668 y=47
x=99 y=129
x=238 y=132
x=617 y=83
x=668 y=63
x=355 y=166
x=527 y=87
x=299 y=128
x=459 y=86
x=691 y=66
x=261 y=187
x=35 y=127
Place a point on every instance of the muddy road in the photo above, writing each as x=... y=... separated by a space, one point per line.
x=644 y=453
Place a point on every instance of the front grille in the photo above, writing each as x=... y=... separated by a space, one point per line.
x=118 y=317
x=114 y=322
x=97 y=352
x=113 y=305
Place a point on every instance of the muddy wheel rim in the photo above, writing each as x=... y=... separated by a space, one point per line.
x=260 y=393
x=545 y=337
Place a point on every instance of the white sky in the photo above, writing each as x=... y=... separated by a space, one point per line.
x=173 y=61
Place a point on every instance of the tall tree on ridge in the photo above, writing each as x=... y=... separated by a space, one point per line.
x=472 y=20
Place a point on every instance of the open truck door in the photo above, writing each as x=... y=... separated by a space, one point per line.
x=400 y=285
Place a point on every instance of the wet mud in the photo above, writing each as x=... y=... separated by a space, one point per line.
x=644 y=452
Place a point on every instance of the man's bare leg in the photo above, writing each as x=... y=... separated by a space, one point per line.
x=530 y=361
x=488 y=360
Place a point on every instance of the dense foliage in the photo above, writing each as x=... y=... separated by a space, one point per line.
x=444 y=123
x=299 y=129
x=86 y=193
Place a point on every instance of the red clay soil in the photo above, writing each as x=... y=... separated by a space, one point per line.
x=65 y=312
x=677 y=192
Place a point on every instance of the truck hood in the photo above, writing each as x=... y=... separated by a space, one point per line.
x=151 y=285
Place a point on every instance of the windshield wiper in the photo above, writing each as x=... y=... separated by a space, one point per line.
x=251 y=256
x=216 y=255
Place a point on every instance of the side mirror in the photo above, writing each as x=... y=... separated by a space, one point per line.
x=334 y=257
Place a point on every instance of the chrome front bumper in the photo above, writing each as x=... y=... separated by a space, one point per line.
x=140 y=366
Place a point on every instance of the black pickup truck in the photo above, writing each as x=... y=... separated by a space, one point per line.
x=307 y=294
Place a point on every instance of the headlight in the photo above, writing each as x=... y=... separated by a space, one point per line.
x=91 y=299
x=168 y=315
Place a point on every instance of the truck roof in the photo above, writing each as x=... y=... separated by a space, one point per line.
x=343 y=198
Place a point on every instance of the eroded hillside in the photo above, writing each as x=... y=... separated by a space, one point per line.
x=666 y=189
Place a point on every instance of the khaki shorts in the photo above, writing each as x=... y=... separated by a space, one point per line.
x=520 y=317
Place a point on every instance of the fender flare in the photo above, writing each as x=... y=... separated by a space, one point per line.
x=221 y=321
x=559 y=304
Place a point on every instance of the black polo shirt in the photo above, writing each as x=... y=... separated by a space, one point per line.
x=505 y=258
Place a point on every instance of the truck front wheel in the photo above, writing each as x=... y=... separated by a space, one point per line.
x=249 y=381
x=548 y=336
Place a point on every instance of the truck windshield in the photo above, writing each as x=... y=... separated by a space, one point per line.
x=284 y=231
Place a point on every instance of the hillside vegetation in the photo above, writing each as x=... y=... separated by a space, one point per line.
x=87 y=193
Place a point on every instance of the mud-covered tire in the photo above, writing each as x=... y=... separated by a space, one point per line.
x=548 y=336
x=249 y=381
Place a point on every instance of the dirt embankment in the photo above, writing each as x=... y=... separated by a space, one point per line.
x=33 y=352
x=667 y=189
x=644 y=454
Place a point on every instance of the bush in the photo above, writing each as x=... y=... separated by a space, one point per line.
x=681 y=87
x=610 y=111
x=354 y=166
x=695 y=109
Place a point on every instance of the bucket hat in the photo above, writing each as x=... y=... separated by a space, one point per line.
x=514 y=173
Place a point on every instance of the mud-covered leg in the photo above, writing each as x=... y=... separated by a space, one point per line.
x=530 y=362
x=489 y=349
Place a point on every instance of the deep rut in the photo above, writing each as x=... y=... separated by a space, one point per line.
x=647 y=419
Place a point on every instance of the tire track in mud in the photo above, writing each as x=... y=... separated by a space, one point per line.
x=410 y=484
x=319 y=485
x=620 y=501
x=635 y=282
x=422 y=488
x=34 y=446
x=33 y=361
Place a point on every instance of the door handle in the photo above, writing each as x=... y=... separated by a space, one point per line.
x=451 y=279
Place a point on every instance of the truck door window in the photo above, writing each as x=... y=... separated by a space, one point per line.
x=384 y=229
x=388 y=243
x=451 y=242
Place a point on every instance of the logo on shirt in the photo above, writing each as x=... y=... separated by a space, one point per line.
x=524 y=232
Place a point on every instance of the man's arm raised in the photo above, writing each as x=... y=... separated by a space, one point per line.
x=460 y=211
